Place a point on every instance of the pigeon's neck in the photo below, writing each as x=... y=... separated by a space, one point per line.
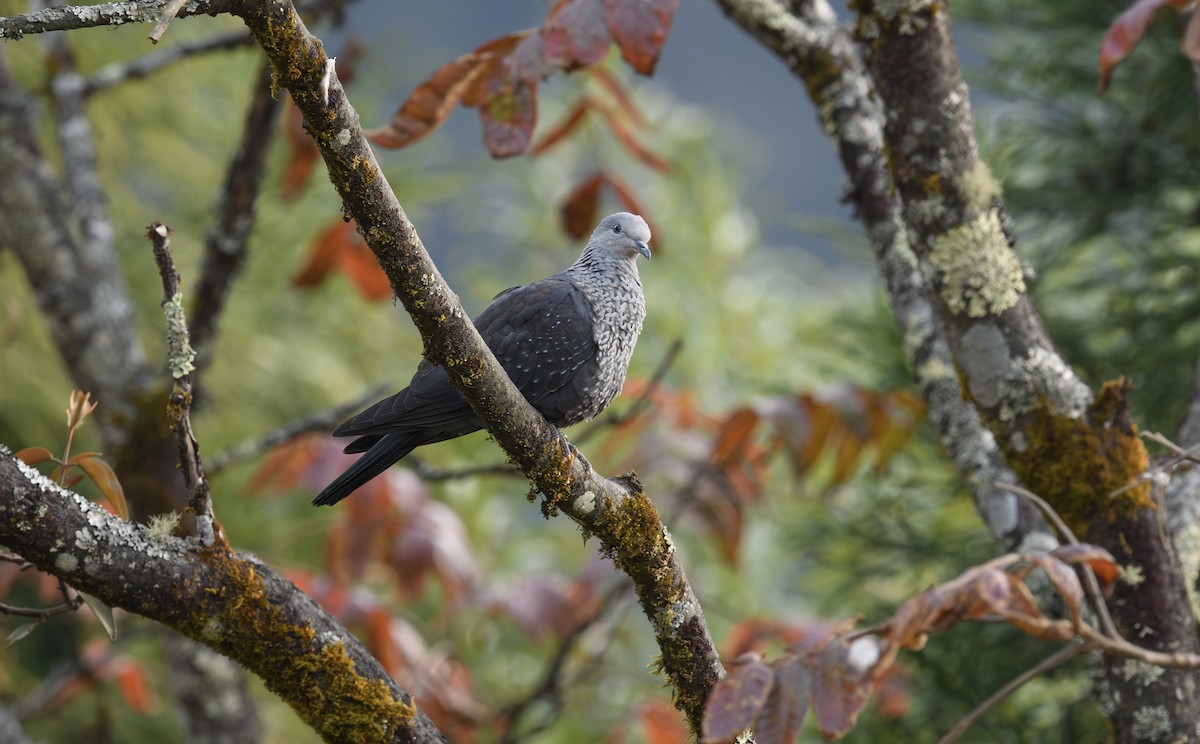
x=594 y=264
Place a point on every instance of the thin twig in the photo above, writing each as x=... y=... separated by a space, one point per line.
x=140 y=67
x=168 y=15
x=319 y=421
x=43 y=613
x=1055 y=659
x=180 y=356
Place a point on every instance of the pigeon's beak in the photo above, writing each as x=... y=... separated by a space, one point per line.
x=643 y=248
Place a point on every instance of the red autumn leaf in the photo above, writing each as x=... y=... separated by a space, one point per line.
x=285 y=465
x=131 y=680
x=563 y=128
x=508 y=111
x=617 y=90
x=575 y=34
x=736 y=700
x=782 y=715
x=433 y=100
x=1065 y=580
x=893 y=694
x=640 y=28
x=581 y=205
x=661 y=723
x=735 y=436
x=626 y=139
x=840 y=686
x=1126 y=32
x=360 y=265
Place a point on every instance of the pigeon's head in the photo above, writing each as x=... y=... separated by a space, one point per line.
x=622 y=235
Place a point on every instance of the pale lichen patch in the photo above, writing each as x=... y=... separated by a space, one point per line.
x=980 y=274
x=1143 y=673
x=1132 y=574
x=586 y=503
x=978 y=186
x=66 y=562
x=1151 y=723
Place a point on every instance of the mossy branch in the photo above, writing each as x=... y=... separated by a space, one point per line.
x=619 y=515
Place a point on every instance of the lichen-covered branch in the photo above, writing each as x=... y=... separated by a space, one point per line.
x=616 y=511
x=1077 y=450
x=822 y=55
x=67 y=17
x=230 y=602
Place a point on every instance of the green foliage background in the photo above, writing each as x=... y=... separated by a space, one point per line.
x=1103 y=192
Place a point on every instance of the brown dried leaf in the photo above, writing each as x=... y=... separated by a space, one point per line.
x=840 y=689
x=782 y=715
x=640 y=28
x=736 y=700
x=735 y=436
x=433 y=100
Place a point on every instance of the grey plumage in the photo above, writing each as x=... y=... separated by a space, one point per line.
x=565 y=341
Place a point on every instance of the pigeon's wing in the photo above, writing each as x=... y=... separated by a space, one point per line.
x=429 y=404
x=543 y=335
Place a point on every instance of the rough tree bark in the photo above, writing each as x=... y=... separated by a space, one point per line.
x=894 y=102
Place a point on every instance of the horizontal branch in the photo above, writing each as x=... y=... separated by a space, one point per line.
x=230 y=602
x=67 y=17
x=617 y=511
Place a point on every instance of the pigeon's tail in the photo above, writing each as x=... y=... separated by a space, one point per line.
x=383 y=453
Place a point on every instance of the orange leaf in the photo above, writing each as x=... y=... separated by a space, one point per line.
x=433 y=100
x=735 y=436
x=662 y=723
x=559 y=131
x=103 y=476
x=640 y=28
x=359 y=263
x=35 y=455
x=617 y=90
x=130 y=679
x=626 y=139
x=323 y=255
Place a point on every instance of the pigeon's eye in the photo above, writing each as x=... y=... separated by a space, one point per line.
x=616 y=228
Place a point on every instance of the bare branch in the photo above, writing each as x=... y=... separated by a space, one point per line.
x=319 y=421
x=147 y=64
x=66 y=17
x=169 y=12
x=1058 y=658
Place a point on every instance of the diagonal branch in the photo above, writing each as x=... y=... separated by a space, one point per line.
x=617 y=511
x=228 y=601
x=147 y=64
